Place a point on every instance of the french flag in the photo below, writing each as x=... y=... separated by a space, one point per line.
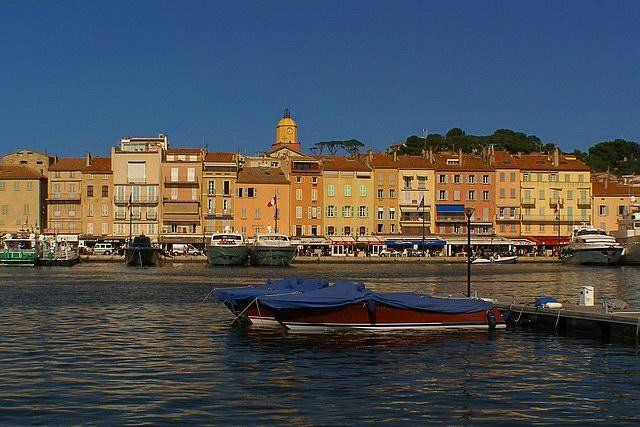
x=272 y=202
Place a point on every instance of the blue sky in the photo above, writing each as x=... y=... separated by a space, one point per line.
x=81 y=75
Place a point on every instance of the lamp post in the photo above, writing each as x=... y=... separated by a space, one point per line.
x=468 y=212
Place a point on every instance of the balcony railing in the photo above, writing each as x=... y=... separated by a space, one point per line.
x=555 y=201
x=531 y=201
x=577 y=219
x=136 y=200
x=507 y=217
x=184 y=182
x=64 y=196
x=584 y=203
x=457 y=218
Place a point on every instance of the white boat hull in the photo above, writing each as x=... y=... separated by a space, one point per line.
x=501 y=260
x=631 y=253
x=593 y=256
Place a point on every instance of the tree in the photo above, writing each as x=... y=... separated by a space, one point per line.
x=351 y=146
x=619 y=156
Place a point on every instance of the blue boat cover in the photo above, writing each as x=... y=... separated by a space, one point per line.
x=413 y=301
x=338 y=295
x=247 y=294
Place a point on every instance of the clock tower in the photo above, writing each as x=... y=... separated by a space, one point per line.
x=287 y=133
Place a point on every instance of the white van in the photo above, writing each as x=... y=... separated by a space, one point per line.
x=103 y=249
x=181 y=248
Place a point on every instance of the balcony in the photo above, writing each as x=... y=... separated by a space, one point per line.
x=120 y=216
x=584 y=203
x=181 y=182
x=508 y=218
x=451 y=218
x=219 y=215
x=149 y=200
x=64 y=197
x=183 y=200
x=556 y=202
x=572 y=219
x=531 y=201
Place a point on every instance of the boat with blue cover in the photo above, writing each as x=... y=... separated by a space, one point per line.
x=348 y=305
x=243 y=301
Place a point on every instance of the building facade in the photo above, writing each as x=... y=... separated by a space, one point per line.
x=219 y=173
x=64 y=200
x=23 y=192
x=33 y=159
x=611 y=201
x=96 y=198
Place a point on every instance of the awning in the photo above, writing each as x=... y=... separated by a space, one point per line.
x=180 y=218
x=481 y=240
x=548 y=240
x=342 y=240
x=313 y=241
x=523 y=242
x=413 y=242
x=450 y=209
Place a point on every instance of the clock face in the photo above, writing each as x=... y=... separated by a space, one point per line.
x=289 y=130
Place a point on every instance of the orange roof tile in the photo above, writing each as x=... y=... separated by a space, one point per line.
x=341 y=163
x=470 y=162
x=68 y=164
x=539 y=161
x=260 y=175
x=19 y=172
x=613 y=189
x=99 y=165
x=183 y=150
x=223 y=157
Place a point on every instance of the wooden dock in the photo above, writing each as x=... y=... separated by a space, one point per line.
x=595 y=322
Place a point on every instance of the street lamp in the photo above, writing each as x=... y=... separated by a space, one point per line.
x=468 y=212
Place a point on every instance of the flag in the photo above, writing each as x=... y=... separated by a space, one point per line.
x=421 y=203
x=272 y=202
x=130 y=199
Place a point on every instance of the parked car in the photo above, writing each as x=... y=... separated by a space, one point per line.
x=185 y=248
x=389 y=253
x=103 y=249
x=412 y=253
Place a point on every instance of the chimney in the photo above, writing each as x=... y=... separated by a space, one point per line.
x=483 y=153
x=87 y=157
x=460 y=156
x=556 y=156
x=606 y=183
x=431 y=155
x=370 y=156
x=519 y=154
x=395 y=155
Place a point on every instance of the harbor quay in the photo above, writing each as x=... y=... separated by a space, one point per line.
x=369 y=203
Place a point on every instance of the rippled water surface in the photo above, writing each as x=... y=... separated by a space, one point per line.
x=102 y=343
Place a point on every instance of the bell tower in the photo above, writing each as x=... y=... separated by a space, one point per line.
x=287 y=132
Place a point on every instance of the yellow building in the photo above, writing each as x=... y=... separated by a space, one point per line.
x=507 y=211
x=33 y=159
x=219 y=173
x=22 y=199
x=347 y=200
x=65 y=197
x=137 y=186
x=555 y=191
x=97 y=184
x=611 y=201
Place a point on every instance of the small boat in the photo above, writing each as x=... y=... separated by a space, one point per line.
x=141 y=253
x=243 y=301
x=59 y=253
x=272 y=249
x=592 y=246
x=23 y=248
x=496 y=259
x=628 y=234
x=350 y=306
x=227 y=249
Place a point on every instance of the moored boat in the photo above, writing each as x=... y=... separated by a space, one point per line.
x=628 y=234
x=592 y=246
x=140 y=252
x=496 y=259
x=59 y=253
x=272 y=249
x=23 y=248
x=350 y=306
x=227 y=249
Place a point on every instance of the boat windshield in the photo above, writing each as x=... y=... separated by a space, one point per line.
x=226 y=237
x=279 y=238
x=586 y=232
x=14 y=245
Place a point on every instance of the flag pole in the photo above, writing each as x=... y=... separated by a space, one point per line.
x=423 y=219
x=275 y=198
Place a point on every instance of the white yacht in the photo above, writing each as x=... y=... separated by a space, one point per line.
x=272 y=249
x=227 y=249
x=592 y=246
x=628 y=234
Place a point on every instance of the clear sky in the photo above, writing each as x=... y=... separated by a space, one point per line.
x=81 y=75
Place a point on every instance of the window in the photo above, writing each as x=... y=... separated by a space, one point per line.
x=174 y=194
x=136 y=172
x=471 y=195
x=502 y=228
x=603 y=210
x=512 y=177
x=392 y=193
x=442 y=179
x=580 y=178
x=105 y=228
x=392 y=213
x=472 y=179
x=194 y=194
x=331 y=190
x=251 y=192
x=525 y=178
x=226 y=188
x=502 y=176
x=622 y=209
x=331 y=211
x=485 y=195
x=347 y=190
x=380 y=228
x=89 y=190
x=298 y=193
x=90 y=228
x=380 y=193
x=105 y=191
x=541 y=194
x=485 y=179
x=314 y=195
x=422 y=182
x=29 y=186
x=569 y=194
x=225 y=206
x=299 y=179
x=363 y=211
x=347 y=211
x=363 y=191
x=407 y=180
x=347 y=231
x=89 y=209
x=392 y=179
x=456 y=179
x=16 y=185
x=256 y=213
x=314 y=180
x=331 y=230
x=392 y=228
x=512 y=193
x=243 y=213
x=191 y=174
x=298 y=212
x=1 y=185
x=442 y=195
x=512 y=213
x=501 y=212
x=553 y=177
x=456 y=195
x=380 y=213
x=541 y=227
x=502 y=193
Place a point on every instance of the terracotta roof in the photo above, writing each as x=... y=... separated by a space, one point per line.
x=183 y=150
x=470 y=162
x=99 y=165
x=539 y=161
x=259 y=175
x=19 y=172
x=222 y=157
x=68 y=164
x=341 y=163
x=613 y=189
x=385 y=161
x=279 y=146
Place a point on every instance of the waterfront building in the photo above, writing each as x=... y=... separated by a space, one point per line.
x=23 y=191
x=137 y=185
x=305 y=210
x=555 y=191
x=464 y=181
x=611 y=201
x=507 y=193
x=64 y=200
x=385 y=209
x=416 y=181
x=33 y=159
x=347 y=200
x=97 y=188
x=219 y=172
x=181 y=196
x=262 y=199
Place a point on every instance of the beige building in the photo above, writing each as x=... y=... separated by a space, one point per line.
x=96 y=198
x=219 y=173
x=611 y=201
x=64 y=200
x=137 y=186
x=33 y=159
x=22 y=199
x=507 y=211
